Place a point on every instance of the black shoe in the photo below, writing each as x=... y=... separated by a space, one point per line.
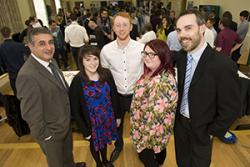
x=81 y=164
x=115 y=154
x=108 y=164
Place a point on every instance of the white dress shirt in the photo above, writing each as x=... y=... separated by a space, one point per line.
x=42 y=62
x=209 y=37
x=76 y=35
x=125 y=64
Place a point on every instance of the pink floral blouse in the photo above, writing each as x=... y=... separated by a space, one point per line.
x=153 y=112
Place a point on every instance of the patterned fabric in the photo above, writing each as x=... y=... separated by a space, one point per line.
x=98 y=104
x=188 y=77
x=153 y=112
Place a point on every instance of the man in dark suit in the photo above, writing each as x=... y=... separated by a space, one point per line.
x=209 y=95
x=45 y=105
x=12 y=56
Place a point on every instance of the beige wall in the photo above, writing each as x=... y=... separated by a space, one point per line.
x=24 y=10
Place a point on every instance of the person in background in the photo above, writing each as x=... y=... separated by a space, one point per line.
x=105 y=22
x=59 y=44
x=227 y=39
x=164 y=28
x=45 y=104
x=210 y=24
x=93 y=98
x=172 y=17
x=242 y=32
x=123 y=58
x=98 y=37
x=12 y=56
x=154 y=104
x=209 y=94
x=34 y=22
x=23 y=34
x=209 y=37
x=147 y=34
x=173 y=42
x=76 y=36
x=216 y=18
x=232 y=24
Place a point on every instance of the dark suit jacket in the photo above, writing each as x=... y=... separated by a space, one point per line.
x=78 y=108
x=214 y=95
x=44 y=101
x=12 y=55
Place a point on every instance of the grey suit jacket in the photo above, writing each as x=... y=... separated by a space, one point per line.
x=44 y=102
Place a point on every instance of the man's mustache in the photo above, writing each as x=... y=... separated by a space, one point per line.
x=184 y=38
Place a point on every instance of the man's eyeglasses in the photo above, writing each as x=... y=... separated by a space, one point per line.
x=151 y=55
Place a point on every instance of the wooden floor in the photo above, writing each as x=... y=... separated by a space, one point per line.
x=25 y=152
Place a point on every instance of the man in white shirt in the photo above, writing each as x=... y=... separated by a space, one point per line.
x=123 y=58
x=76 y=36
x=210 y=24
x=209 y=37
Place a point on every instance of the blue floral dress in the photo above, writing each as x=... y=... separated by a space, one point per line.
x=97 y=98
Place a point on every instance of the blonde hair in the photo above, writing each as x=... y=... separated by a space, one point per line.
x=124 y=15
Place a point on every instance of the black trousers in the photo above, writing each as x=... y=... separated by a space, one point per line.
x=191 y=150
x=151 y=159
x=124 y=105
x=236 y=55
x=75 y=52
x=62 y=52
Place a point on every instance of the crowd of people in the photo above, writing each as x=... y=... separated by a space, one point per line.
x=126 y=60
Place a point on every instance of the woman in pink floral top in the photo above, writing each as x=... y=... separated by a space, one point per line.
x=154 y=104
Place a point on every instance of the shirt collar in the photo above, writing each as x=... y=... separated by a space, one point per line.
x=128 y=44
x=74 y=22
x=197 y=54
x=44 y=63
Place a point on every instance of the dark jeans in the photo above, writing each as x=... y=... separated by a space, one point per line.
x=12 y=78
x=58 y=52
x=75 y=52
x=124 y=104
x=236 y=54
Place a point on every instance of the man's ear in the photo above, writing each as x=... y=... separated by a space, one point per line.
x=203 y=28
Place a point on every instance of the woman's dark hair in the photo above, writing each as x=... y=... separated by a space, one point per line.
x=85 y=51
x=162 y=50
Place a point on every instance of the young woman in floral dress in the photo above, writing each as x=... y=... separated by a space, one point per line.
x=154 y=105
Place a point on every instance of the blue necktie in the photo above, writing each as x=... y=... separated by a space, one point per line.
x=188 y=78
